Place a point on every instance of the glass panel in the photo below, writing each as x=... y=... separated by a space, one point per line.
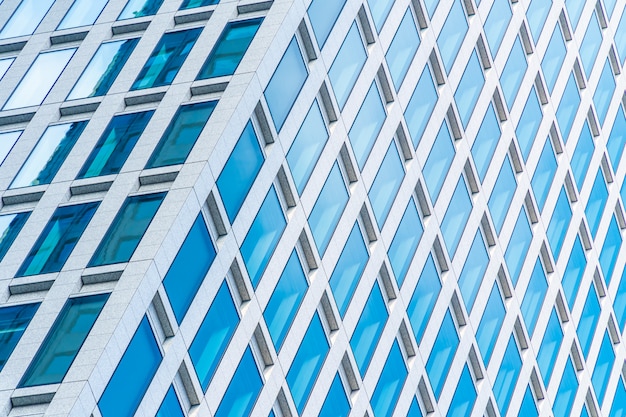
x=464 y=396
x=5 y=64
x=190 y=266
x=170 y=407
x=618 y=409
x=431 y=6
x=610 y=6
x=181 y=134
x=514 y=71
x=39 y=79
x=7 y=140
x=103 y=69
x=469 y=88
x=574 y=272
x=285 y=84
x=596 y=203
x=552 y=61
x=323 y=14
x=415 y=411
x=604 y=92
x=528 y=407
x=439 y=161
x=10 y=226
x=390 y=383
x=588 y=320
x=369 y=328
x=544 y=174
x=115 y=144
x=190 y=4
x=442 y=353
x=243 y=390
x=26 y=18
x=13 y=322
x=602 y=370
x=620 y=38
x=518 y=245
x=610 y=250
x=385 y=187
x=139 y=8
x=347 y=65
x=508 y=374
x=533 y=297
x=66 y=336
x=490 y=324
x=166 y=59
x=590 y=45
x=496 y=24
x=549 y=350
x=566 y=112
x=405 y=241
x=58 y=239
x=402 y=49
x=536 y=14
x=380 y=10
x=213 y=336
x=423 y=299
x=557 y=229
x=336 y=403
x=582 y=155
x=263 y=236
x=502 y=194
x=566 y=392
x=367 y=124
x=82 y=13
x=617 y=139
x=473 y=271
x=230 y=48
x=421 y=106
x=452 y=34
x=529 y=122
x=486 y=141
x=456 y=216
x=127 y=229
x=575 y=9
x=619 y=305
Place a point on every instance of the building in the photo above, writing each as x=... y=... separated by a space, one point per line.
x=312 y=207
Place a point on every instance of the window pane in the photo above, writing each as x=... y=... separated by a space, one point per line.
x=517 y=248
x=115 y=144
x=13 y=322
x=441 y=356
x=620 y=38
x=380 y=10
x=347 y=65
x=469 y=88
x=5 y=64
x=528 y=407
x=181 y=134
x=529 y=122
x=367 y=125
x=566 y=392
x=402 y=49
x=588 y=320
x=243 y=390
x=369 y=328
x=456 y=216
x=336 y=403
x=536 y=14
x=61 y=345
x=10 y=226
x=590 y=45
x=82 y=13
x=575 y=9
x=619 y=305
x=559 y=223
x=508 y=374
x=617 y=139
x=574 y=272
x=553 y=58
x=139 y=8
x=390 y=383
x=496 y=24
x=514 y=70
x=582 y=155
x=26 y=18
x=604 y=365
x=549 y=350
x=544 y=174
x=610 y=250
x=415 y=411
x=534 y=296
x=385 y=187
x=486 y=141
x=439 y=161
x=420 y=107
x=473 y=271
x=566 y=112
x=190 y=4
x=323 y=14
x=596 y=203
x=166 y=59
x=452 y=34
x=127 y=229
x=502 y=194
x=604 y=92
x=170 y=407
x=618 y=409
x=431 y=6
x=464 y=396
x=423 y=299
x=58 y=239
x=490 y=324
x=405 y=241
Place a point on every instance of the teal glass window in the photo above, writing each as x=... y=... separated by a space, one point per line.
x=347 y=65
x=263 y=236
x=566 y=112
x=133 y=374
x=455 y=219
x=103 y=68
x=405 y=241
x=115 y=144
x=620 y=38
x=473 y=271
x=39 y=79
x=529 y=122
x=496 y=24
x=596 y=202
x=336 y=403
x=230 y=48
x=286 y=83
x=604 y=365
x=402 y=49
x=619 y=305
x=390 y=383
x=604 y=92
x=442 y=353
x=307 y=363
x=13 y=322
x=550 y=345
x=566 y=392
x=534 y=297
x=166 y=59
x=61 y=345
x=48 y=155
x=439 y=161
x=552 y=61
x=241 y=169
x=328 y=209
x=610 y=250
x=574 y=272
x=285 y=300
x=58 y=239
x=385 y=187
x=486 y=142
x=452 y=34
x=490 y=324
x=508 y=374
x=214 y=334
x=528 y=407
x=421 y=106
x=502 y=194
x=380 y=10
x=323 y=14
x=26 y=18
x=243 y=390
x=369 y=328
x=469 y=88
x=190 y=266
x=82 y=13
x=582 y=155
x=139 y=8
x=7 y=140
x=170 y=407
x=424 y=298
x=518 y=245
x=617 y=139
x=348 y=269
x=127 y=229
x=544 y=174
x=514 y=70
x=574 y=9
x=588 y=320
x=464 y=396
x=618 y=409
x=181 y=134
x=307 y=147
x=414 y=410
x=10 y=226
x=367 y=124
x=536 y=14
x=590 y=45
x=191 y=4
x=557 y=228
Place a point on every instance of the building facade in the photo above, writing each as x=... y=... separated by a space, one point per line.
x=312 y=207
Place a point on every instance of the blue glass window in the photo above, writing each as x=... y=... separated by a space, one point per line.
x=452 y=34
x=559 y=223
x=349 y=268
x=421 y=106
x=618 y=409
x=550 y=345
x=582 y=155
x=514 y=70
x=336 y=403
x=307 y=147
x=544 y=174
x=402 y=49
x=214 y=334
x=139 y=8
x=620 y=38
x=82 y=13
x=502 y=194
x=617 y=139
x=508 y=374
x=517 y=248
x=285 y=301
x=469 y=88
x=263 y=236
x=405 y=241
x=431 y=6
x=115 y=144
x=464 y=396
x=26 y=18
x=441 y=356
x=566 y=112
x=602 y=370
x=380 y=10
x=390 y=383
x=307 y=363
x=590 y=45
x=243 y=390
x=588 y=320
x=528 y=407
x=369 y=328
x=191 y=4
x=610 y=6
x=240 y=171
x=486 y=141
x=103 y=69
x=5 y=64
x=574 y=9
x=439 y=161
x=286 y=83
x=496 y=24
x=529 y=122
x=473 y=271
x=596 y=203
x=323 y=14
x=619 y=305
x=414 y=410
x=127 y=229
x=170 y=407
x=181 y=134
x=552 y=61
x=536 y=14
x=533 y=297
x=385 y=187
x=456 y=216
x=574 y=272
x=10 y=226
x=367 y=124
x=328 y=208
x=7 y=140
x=166 y=59
x=604 y=92
x=61 y=345
x=566 y=392
x=610 y=250
x=490 y=324
x=423 y=299
x=13 y=322
x=347 y=65
x=58 y=239
x=190 y=266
